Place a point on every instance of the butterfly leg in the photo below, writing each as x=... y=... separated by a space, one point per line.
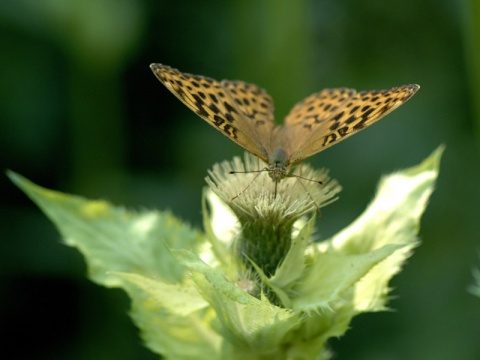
x=251 y=182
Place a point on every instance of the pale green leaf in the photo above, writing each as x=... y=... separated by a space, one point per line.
x=220 y=228
x=174 y=336
x=394 y=214
x=174 y=319
x=393 y=217
x=332 y=274
x=292 y=267
x=251 y=325
x=111 y=238
x=215 y=276
x=178 y=299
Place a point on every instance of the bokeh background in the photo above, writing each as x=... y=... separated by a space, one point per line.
x=81 y=112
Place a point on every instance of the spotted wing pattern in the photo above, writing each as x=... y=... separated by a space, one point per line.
x=332 y=115
x=242 y=112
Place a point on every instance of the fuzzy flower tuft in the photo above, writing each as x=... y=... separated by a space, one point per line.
x=251 y=195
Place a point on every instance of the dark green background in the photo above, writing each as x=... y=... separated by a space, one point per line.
x=80 y=111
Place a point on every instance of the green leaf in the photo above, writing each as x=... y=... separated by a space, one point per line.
x=175 y=320
x=178 y=299
x=215 y=276
x=113 y=239
x=332 y=274
x=222 y=216
x=394 y=214
x=252 y=326
x=293 y=266
x=393 y=217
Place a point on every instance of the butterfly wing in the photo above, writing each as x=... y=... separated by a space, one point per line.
x=242 y=112
x=332 y=115
x=256 y=105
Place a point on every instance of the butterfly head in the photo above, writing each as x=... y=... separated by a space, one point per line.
x=278 y=162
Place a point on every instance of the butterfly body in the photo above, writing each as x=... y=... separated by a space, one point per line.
x=278 y=163
x=244 y=113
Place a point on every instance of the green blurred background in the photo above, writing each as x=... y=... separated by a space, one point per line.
x=80 y=111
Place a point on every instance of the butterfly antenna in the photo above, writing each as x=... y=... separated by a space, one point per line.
x=246 y=172
x=306 y=179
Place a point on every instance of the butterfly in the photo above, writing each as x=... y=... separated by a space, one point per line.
x=244 y=113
